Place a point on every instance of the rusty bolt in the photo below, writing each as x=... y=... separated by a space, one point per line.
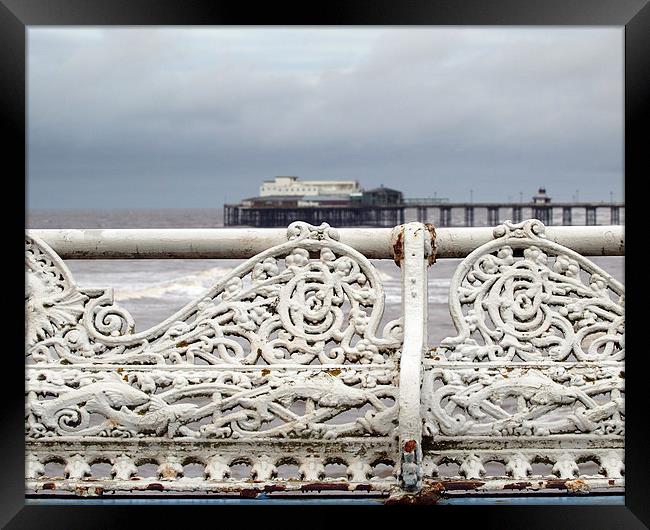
x=410 y=446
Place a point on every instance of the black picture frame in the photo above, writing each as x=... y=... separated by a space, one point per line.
x=634 y=15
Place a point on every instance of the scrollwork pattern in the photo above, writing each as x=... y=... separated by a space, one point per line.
x=283 y=306
x=538 y=353
x=52 y=301
x=309 y=301
x=211 y=403
x=510 y=401
x=523 y=297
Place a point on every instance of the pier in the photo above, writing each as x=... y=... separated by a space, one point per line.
x=345 y=203
x=442 y=213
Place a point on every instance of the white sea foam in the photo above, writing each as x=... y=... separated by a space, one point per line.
x=139 y=285
x=189 y=286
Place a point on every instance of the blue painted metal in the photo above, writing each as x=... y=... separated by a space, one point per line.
x=591 y=500
x=618 y=500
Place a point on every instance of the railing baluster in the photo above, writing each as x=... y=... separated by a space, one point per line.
x=412 y=246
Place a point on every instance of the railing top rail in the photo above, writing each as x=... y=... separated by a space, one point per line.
x=242 y=243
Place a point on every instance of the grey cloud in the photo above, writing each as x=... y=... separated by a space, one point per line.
x=119 y=113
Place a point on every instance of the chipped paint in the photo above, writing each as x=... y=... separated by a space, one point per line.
x=431 y=244
x=397 y=245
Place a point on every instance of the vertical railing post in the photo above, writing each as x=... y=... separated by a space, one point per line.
x=413 y=244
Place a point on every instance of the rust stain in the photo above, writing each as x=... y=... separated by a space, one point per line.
x=49 y=486
x=266 y=371
x=451 y=485
x=335 y=371
x=155 y=486
x=410 y=446
x=429 y=494
x=248 y=493
x=427 y=498
x=556 y=484
x=319 y=486
x=432 y=235
x=398 y=247
x=577 y=486
x=274 y=487
x=168 y=472
x=517 y=486
x=182 y=344
x=611 y=482
x=436 y=487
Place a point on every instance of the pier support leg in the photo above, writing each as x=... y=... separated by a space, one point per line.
x=543 y=213
x=590 y=215
x=469 y=216
x=445 y=216
x=493 y=216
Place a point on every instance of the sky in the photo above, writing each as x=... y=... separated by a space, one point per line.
x=159 y=117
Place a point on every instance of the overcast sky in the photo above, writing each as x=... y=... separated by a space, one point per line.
x=193 y=117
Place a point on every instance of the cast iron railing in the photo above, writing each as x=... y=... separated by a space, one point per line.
x=284 y=379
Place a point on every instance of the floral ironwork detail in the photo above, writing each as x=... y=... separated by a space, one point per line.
x=523 y=297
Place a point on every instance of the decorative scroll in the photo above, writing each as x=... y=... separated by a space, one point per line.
x=508 y=401
x=535 y=377
x=278 y=307
x=52 y=301
x=284 y=347
x=522 y=297
x=210 y=404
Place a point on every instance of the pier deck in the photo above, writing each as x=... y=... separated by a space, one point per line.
x=425 y=211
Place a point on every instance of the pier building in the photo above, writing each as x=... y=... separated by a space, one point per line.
x=345 y=203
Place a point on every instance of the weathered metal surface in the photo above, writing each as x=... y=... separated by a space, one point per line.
x=203 y=466
x=414 y=261
x=535 y=375
x=243 y=243
x=585 y=240
x=279 y=381
x=526 y=400
x=431 y=245
x=278 y=308
x=284 y=348
x=235 y=243
x=523 y=297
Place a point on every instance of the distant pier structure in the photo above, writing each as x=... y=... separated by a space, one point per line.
x=344 y=203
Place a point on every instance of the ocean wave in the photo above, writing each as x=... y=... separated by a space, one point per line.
x=189 y=286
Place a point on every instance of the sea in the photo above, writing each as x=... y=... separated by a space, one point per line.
x=153 y=290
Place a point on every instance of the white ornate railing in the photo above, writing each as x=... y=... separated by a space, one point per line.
x=284 y=378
